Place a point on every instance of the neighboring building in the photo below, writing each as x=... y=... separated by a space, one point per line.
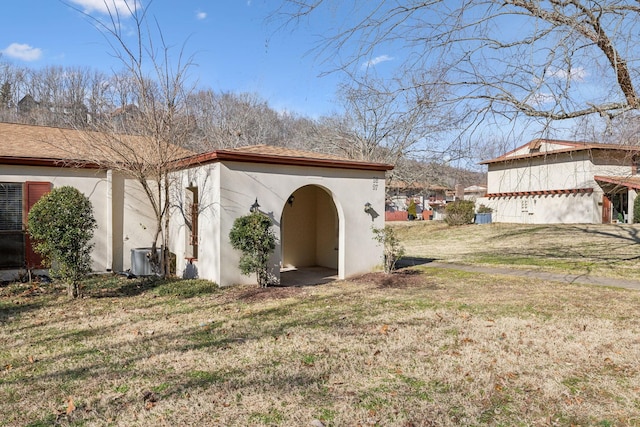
x=317 y=203
x=36 y=112
x=431 y=200
x=551 y=181
x=473 y=192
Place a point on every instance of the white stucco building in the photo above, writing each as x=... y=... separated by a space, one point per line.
x=316 y=201
x=551 y=181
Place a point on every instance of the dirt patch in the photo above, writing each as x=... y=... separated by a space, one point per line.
x=399 y=279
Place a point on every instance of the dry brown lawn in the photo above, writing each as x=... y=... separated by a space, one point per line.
x=422 y=347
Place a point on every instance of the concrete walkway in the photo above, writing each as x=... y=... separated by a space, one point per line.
x=585 y=279
x=307 y=276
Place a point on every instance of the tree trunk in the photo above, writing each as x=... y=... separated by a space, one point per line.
x=73 y=290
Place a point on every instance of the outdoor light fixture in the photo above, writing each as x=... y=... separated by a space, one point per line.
x=368 y=209
x=290 y=200
x=255 y=206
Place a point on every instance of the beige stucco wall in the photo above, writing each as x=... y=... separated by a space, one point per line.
x=309 y=229
x=550 y=173
x=90 y=182
x=554 y=172
x=122 y=223
x=138 y=219
x=232 y=187
x=550 y=209
x=206 y=179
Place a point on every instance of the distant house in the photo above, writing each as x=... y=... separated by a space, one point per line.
x=474 y=192
x=552 y=181
x=322 y=206
x=430 y=199
x=36 y=112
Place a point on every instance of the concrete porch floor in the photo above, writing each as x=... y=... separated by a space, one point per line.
x=305 y=276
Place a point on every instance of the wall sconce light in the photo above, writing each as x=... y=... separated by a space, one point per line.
x=254 y=207
x=369 y=210
x=290 y=200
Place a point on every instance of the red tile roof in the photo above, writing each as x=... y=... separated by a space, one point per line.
x=567 y=147
x=281 y=156
x=621 y=181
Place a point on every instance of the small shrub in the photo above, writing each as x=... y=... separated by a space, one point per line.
x=252 y=235
x=62 y=224
x=636 y=210
x=484 y=209
x=412 y=210
x=393 y=251
x=460 y=212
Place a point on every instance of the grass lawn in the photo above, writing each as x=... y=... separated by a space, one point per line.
x=420 y=347
x=601 y=249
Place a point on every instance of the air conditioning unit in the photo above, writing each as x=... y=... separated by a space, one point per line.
x=140 y=264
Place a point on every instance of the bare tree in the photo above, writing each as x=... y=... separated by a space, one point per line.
x=382 y=123
x=228 y=120
x=550 y=60
x=147 y=141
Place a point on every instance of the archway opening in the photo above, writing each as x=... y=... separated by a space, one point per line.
x=310 y=232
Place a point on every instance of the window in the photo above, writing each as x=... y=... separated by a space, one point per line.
x=16 y=199
x=10 y=206
x=192 y=211
x=11 y=225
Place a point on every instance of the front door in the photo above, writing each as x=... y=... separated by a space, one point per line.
x=606 y=209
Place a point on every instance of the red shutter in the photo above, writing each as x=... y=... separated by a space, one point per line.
x=33 y=192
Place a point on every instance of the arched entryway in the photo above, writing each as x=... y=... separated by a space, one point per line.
x=309 y=235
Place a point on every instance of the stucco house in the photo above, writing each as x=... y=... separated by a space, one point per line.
x=552 y=181
x=322 y=206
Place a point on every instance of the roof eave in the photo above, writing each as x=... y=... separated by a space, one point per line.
x=223 y=155
x=503 y=159
x=58 y=163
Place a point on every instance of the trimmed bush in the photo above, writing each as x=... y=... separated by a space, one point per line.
x=484 y=209
x=636 y=210
x=252 y=235
x=61 y=223
x=460 y=212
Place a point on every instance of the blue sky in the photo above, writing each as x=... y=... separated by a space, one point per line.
x=234 y=46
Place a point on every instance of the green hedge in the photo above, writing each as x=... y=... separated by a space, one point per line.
x=460 y=212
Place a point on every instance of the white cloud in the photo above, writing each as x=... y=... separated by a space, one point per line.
x=377 y=60
x=577 y=74
x=201 y=15
x=23 y=52
x=123 y=7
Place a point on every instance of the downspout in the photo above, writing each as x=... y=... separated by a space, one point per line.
x=109 y=263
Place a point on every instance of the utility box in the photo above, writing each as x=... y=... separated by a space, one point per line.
x=140 y=264
x=483 y=218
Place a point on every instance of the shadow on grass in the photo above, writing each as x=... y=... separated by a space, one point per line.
x=410 y=261
x=631 y=233
x=12 y=309
x=112 y=286
x=115 y=286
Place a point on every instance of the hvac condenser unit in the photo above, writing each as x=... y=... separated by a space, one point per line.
x=140 y=261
